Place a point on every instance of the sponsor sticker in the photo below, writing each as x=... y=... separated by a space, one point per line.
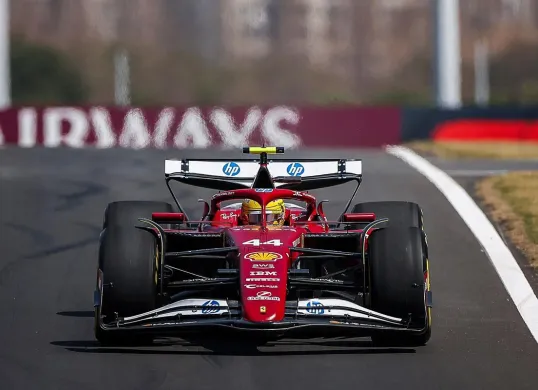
x=223 y=194
x=197 y=280
x=231 y=169
x=263 y=256
x=263 y=279
x=263 y=296
x=263 y=265
x=263 y=189
x=263 y=273
x=295 y=169
x=328 y=280
x=229 y=216
x=315 y=307
x=210 y=307
x=251 y=286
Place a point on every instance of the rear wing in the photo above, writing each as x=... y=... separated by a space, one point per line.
x=298 y=174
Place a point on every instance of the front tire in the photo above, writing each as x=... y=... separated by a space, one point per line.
x=129 y=263
x=409 y=254
x=398 y=282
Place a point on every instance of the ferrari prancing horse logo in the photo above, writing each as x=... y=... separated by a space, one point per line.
x=263 y=256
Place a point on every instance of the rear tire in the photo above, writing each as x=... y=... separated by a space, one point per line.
x=128 y=260
x=126 y=213
x=399 y=213
x=398 y=259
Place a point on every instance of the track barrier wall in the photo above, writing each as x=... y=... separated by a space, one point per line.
x=288 y=126
x=194 y=127
x=501 y=123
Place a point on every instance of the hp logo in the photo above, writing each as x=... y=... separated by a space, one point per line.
x=315 y=307
x=210 y=307
x=295 y=169
x=231 y=169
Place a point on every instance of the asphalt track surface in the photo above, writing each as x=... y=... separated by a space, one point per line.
x=51 y=205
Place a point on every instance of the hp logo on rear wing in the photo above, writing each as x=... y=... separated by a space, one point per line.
x=231 y=169
x=295 y=169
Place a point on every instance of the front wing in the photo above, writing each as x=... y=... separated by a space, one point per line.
x=303 y=317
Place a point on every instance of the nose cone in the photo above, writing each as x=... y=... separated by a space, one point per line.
x=263 y=268
x=263 y=285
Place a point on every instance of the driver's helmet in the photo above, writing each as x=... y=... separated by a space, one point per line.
x=251 y=212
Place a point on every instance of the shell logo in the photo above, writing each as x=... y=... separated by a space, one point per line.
x=263 y=256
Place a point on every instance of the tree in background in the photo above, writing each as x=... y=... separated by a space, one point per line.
x=43 y=75
x=519 y=61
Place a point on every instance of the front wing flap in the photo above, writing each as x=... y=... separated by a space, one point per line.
x=193 y=314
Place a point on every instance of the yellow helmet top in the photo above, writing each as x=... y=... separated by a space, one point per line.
x=275 y=207
x=250 y=208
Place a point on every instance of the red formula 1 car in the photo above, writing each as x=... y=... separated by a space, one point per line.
x=263 y=260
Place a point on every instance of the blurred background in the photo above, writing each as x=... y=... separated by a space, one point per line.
x=235 y=52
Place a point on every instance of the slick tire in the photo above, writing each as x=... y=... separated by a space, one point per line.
x=399 y=213
x=128 y=260
x=399 y=281
x=126 y=213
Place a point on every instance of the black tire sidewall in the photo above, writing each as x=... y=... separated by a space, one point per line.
x=399 y=213
x=405 y=219
x=396 y=264
x=126 y=213
x=128 y=258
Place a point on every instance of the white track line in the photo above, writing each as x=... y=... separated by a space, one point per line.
x=502 y=259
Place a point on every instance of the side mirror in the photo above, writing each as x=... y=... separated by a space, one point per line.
x=169 y=218
x=359 y=217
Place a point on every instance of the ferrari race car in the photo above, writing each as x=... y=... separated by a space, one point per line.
x=263 y=260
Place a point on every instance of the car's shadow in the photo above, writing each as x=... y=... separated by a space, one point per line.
x=227 y=348
x=78 y=314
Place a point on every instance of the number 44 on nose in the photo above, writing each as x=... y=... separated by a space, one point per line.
x=256 y=242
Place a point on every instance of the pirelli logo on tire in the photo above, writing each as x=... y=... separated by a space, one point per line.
x=263 y=256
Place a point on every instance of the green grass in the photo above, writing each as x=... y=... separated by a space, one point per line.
x=513 y=202
x=485 y=150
